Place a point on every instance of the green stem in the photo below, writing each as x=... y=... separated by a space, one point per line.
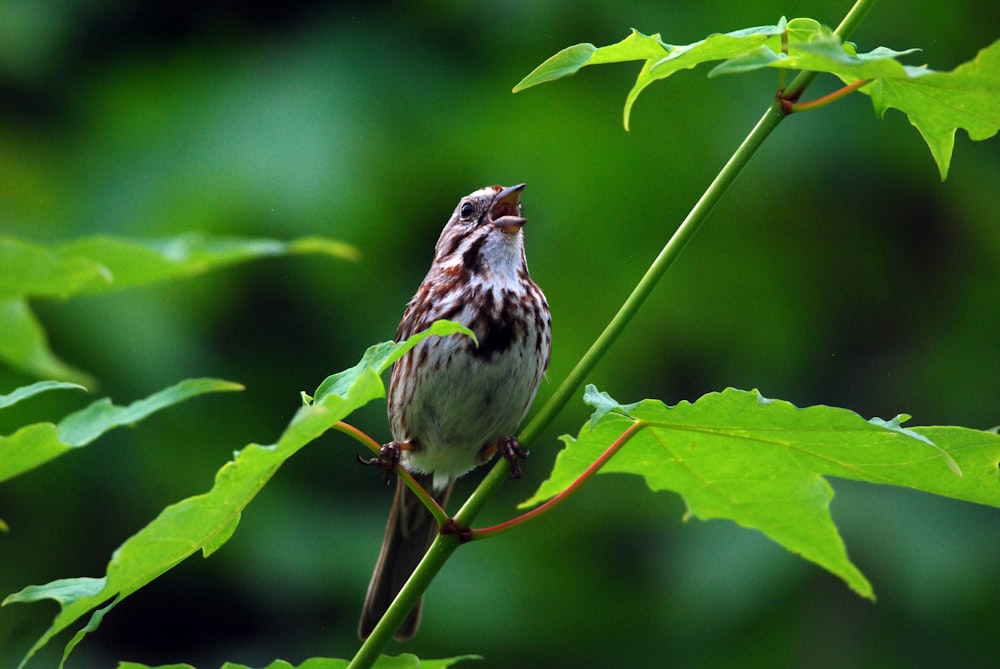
x=853 y=19
x=772 y=117
x=423 y=575
x=445 y=545
x=684 y=233
x=843 y=31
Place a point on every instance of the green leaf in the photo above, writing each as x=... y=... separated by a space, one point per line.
x=30 y=269
x=939 y=103
x=220 y=539
x=563 y=64
x=83 y=426
x=204 y=522
x=936 y=103
x=603 y=404
x=25 y=346
x=96 y=618
x=33 y=445
x=404 y=661
x=64 y=590
x=714 y=47
x=411 y=661
x=103 y=263
x=763 y=464
x=24 y=392
x=816 y=48
x=661 y=59
x=100 y=264
x=380 y=356
x=897 y=425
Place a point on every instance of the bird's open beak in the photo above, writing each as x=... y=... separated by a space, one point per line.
x=505 y=212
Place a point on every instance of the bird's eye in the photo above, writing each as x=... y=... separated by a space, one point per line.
x=467 y=210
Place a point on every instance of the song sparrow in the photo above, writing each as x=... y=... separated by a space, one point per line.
x=453 y=403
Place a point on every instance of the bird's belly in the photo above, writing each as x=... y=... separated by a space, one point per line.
x=467 y=404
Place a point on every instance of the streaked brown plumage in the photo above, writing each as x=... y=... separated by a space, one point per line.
x=450 y=401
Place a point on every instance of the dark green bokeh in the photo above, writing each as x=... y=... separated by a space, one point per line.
x=838 y=270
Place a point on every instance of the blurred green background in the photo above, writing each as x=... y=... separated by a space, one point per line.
x=838 y=270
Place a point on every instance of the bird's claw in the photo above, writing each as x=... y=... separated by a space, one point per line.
x=512 y=451
x=386 y=460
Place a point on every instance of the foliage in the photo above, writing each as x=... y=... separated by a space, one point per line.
x=207 y=521
x=405 y=661
x=936 y=103
x=101 y=264
x=762 y=463
x=698 y=449
x=34 y=445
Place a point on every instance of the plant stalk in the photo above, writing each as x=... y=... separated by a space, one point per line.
x=684 y=233
x=846 y=28
x=445 y=545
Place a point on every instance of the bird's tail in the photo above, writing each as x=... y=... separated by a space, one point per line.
x=408 y=535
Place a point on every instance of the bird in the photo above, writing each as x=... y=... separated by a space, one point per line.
x=454 y=401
